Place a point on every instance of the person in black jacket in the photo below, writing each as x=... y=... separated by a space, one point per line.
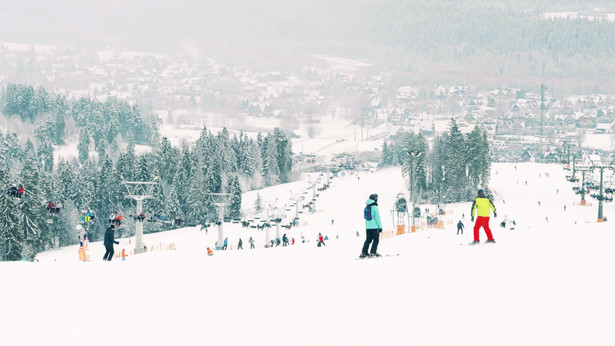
x=109 y=241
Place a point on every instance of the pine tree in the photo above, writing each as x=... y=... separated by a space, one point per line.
x=173 y=208
x=11 y=232
x=84 y=145
x=284 y=154
x=258 y=204
x=198 y=200
x=45 y=152
x=86 y=186
x=107 y=195
x=271 y=169
x=33 y=213
x=166 y=158
x=234 y=188
x=143 y=170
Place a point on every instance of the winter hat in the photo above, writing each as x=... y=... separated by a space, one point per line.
x=373 y=197
x=481 y=193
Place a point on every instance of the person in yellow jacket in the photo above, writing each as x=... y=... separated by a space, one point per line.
x=483 y=207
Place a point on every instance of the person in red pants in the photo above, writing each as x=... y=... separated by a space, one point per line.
x=482 y=205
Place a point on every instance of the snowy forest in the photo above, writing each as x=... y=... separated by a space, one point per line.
x=449 y=172
x=184 y=176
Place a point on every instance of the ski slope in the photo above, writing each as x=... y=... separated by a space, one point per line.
x=547 y=282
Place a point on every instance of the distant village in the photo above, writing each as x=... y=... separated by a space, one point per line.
x=522 y=125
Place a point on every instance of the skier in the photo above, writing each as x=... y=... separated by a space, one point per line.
x=225 y=244
x=83 y=244
x=81 y=231
x=321 y=240
x=109 y=241
x=373 y=227
x=123 y=255
x=460 y=227
x=209 y=252
x=482 y=204
x=284 y=240
x=251 y=241
x=240 y=244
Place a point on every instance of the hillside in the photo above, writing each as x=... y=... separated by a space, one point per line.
x=545 y=282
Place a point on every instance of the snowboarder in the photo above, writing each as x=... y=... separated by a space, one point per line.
x=240 y=244
x=109 y=241
x=251 y=241
x=460 y=227
x=482 y=204
x=225 y=244
x=373 y=227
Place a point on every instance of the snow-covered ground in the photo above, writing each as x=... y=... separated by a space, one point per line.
x=548 y=282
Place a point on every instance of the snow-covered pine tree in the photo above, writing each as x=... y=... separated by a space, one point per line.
x=284 y=154
x=86 y=185
x=173 y=208
x=45 y=152
x=107 y=194
x=184 y=177
x=456 y=163
x=258 y=204
x=11 y=231
x=198 y=200
x=166 y=159
x=33 y=212
x=143 y=170
x=84 y=145
x=271 y=169
x=234 y=188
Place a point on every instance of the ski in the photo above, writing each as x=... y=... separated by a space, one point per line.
x=385 y=255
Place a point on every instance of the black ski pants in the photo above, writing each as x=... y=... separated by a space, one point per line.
x=109 y=253
x=373 y=237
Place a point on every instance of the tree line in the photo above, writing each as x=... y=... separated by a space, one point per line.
x=450 y=171
x=185 y=177
x=100 y=124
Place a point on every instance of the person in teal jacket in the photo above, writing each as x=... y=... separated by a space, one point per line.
x=373 y=227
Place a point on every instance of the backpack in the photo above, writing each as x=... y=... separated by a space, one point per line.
x=367 y=213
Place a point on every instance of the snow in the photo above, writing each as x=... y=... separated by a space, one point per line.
x=544 y=283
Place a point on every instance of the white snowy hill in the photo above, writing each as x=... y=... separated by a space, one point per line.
x=547 y=282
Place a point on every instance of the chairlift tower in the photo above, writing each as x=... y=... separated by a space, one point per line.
x=296 y=197
x=220 y=200
x=601 y=166
x=583 y=169
x=139 y=191
x=273 y=212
